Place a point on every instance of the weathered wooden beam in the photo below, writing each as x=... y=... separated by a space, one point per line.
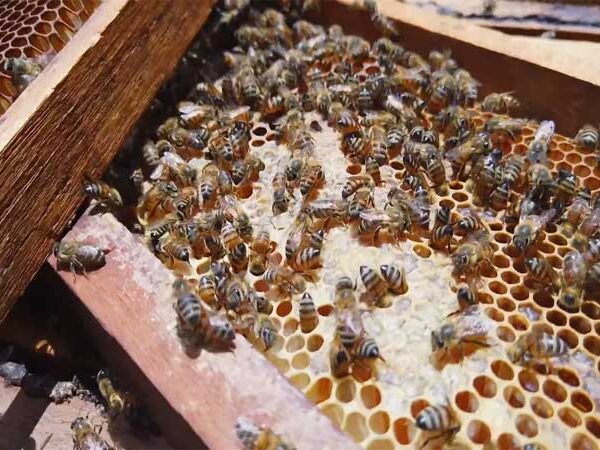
x=131 y=301
x=73 y=119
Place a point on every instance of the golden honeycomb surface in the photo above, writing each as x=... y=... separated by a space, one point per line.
x=36 y=29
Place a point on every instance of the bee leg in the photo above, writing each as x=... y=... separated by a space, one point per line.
x=77 y=267
x=431 y=438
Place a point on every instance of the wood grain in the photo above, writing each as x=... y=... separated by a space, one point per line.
x=551 y=83
x=130 y=298
x=80 y=125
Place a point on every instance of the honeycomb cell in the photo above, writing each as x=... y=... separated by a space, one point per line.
x=294 y=344
x=556 y=317
x=519 y=292
x=505 y=334
x=485 y=386
x=335 y=413
x=518 y=322
x=528 y=380
x=284 y=308
x=478 y=432
x=510 y=277
x=325 y=310
x=300 y=380
x=569 y=377
x=526 y=425
x=554 y=390
x=519 y=266
x=300 y=361
x=460 y=196
x=356 y=426
x=543 y=299
x=379 y=422
x=582 y=171
x=591 y=310
x=422 y=251
x=514 y=397
x=501 y=261
x=507 y=441
x=573 y=158
x=541 y=407
x=581 y=401
x=506 y=304
x=557 y=239
x=494 y=314
x=569 y=417
x=314 y=343
x=370 y=396
x=354 y=169
x=569 y=337
x=319 y=391
x=502 y=237
x=592 y=345
x=404 y=431
x=502 y=370
x=466 y=401
x=290 y=326
x=580 y=441
x=593 y=426
x=346 y=390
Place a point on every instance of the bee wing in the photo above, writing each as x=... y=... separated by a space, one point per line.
x=545 y=131
x=173 y=160
x=374 y=215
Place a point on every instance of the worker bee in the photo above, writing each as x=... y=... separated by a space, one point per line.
x=527 y=232
x=448 y=336
x=513 y=170
x=238 y=258
x=500 y=197
x=349 y=326
x=173 y=248
x=376 y=287
x=309 y=318
x=355 y=183
x=312 y=178
x=78 y=256
x=206 y=289
x=361 y=200
x=266 y=331
x=469 y=223
x=502 y=127
x=87 y=437
x=460 y=155
x=113 y=398
x=573 y=277
x=566 y=186
x=395 y=279
x=384 y=25
x=441 y=237
x=22 y=70
x=580 y=208
x=466 y=297
x=365 y=348
x=443 y=91
x=254 y=437
x=339 y=359
x=500 y=102
x=589 y=227
x=537 y=152
x=440 y=420
x=536 y=345
x=541 y=272
x=280 y=197
x=285 y=278
x=587 y=137
x=474 y=250
x=306 y=260
x=106 y=197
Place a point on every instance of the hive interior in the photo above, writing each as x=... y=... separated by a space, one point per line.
x=497 y=402
x=36 y=29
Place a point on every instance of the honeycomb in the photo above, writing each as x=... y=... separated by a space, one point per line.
x=499 y=404
x=36 y=29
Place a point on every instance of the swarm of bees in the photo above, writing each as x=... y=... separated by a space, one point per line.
x=414 y=115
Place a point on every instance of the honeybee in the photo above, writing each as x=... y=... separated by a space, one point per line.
x=395 y=279
x=573 y=277
x=158 y=197
x=469 y=223
x=527 y=232
x=187 y=306
x=376 y=286
x=501 y=127
x=173 y=248
x=106 y=197
x=280 y=197
x=384 y=25
x=113 y=398
x=468 y=151
x=87 y=437
x=474 y=250
x=254 y=437
x=566 y=186
x=206 y=289
x=537 y=153
x=588 y=228
x=443 y=90
x=512 y=171
x=355 y=183
x=238 y=258
x=365 y=348
x=78 y=256
x=441 y=421
x=542 y=272
x=499 y=102
x=266 y=331
x=307 y=311
x=339 y=359
x=587 y=137
x=441 y=237
x=500 y=197
x=285 y=278
x=536 y=345
x=579 y=209
x=22 y=70
x=349 y=327
x=372 y=169
x=312 y=178
x=448 y=336
x=306 y=260
x=466 y=297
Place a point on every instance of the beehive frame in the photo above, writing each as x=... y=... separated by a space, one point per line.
x=422 y=33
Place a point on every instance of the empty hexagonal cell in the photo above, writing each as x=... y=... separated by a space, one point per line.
x=505 y=334
x=290 y=326
x=580 y=441
x=379 y=422
x=294 y=344
x=404 y=430
x=314 y=342
x=518 y=322
x=510 y=277
x=528 y=380
x=485 y=386
x=520 y=292
x=554 y=390
x=319 y=391
x=466 y=401
x=284 y=308
x=300 y=360
x=569 y=337
x=581 y=401
x=506 y=304
x=478 y=432
x=556 y=317
x=591 y=310
x=507 y=441
x=381 y=444
x=346 y=390
x=569 y=377
x=502 y=370
x=592 y=424
x=422 y=251
x=526 y=425
x=569 y=416
x=514 y=396
x=494 y=314
x=355 y=425
x=543 y=299
x=300 y=380
x=592 y=345
x=370 y=396
x=325 y=310
x=541 y=407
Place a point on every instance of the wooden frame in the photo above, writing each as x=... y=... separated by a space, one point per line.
x=73 y=119
x=129 y=305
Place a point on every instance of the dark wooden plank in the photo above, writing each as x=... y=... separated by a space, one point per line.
x=80 y=125
x=130 y=302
